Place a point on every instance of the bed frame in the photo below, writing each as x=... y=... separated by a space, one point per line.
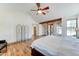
x=34 y=52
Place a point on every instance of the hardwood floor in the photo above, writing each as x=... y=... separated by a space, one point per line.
x=19 y=49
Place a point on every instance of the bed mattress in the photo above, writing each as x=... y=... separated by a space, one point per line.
x=57 y=46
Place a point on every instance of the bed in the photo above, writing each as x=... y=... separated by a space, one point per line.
x=55 y=46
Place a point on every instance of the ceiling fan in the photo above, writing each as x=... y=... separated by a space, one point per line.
x=40 y=10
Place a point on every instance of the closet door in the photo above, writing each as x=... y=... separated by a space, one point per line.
x=23 y=33
x=18 y=32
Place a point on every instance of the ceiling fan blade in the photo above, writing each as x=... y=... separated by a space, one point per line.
x=45 y=8
x=38 y=5
x=33 y=10
x=43 y=13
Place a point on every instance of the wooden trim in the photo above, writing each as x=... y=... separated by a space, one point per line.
x=47 y=29
x=54 y=20
x=50 y=29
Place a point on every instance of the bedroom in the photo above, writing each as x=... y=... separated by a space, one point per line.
x=19 y=26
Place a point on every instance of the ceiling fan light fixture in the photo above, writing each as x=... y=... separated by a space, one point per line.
x=39 y=11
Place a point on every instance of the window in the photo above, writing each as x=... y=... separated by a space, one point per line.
x=71 y=25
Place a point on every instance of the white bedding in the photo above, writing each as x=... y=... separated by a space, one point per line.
x=57 y=45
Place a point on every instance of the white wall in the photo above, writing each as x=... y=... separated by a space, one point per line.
x=9 y=18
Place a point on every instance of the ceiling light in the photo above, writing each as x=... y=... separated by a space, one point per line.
x=39 y=11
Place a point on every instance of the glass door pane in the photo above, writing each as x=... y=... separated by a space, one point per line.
x=51 y=29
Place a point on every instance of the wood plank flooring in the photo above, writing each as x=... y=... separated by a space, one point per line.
x=19 y=49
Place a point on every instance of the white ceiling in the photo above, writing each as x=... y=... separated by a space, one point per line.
x=56 y=10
